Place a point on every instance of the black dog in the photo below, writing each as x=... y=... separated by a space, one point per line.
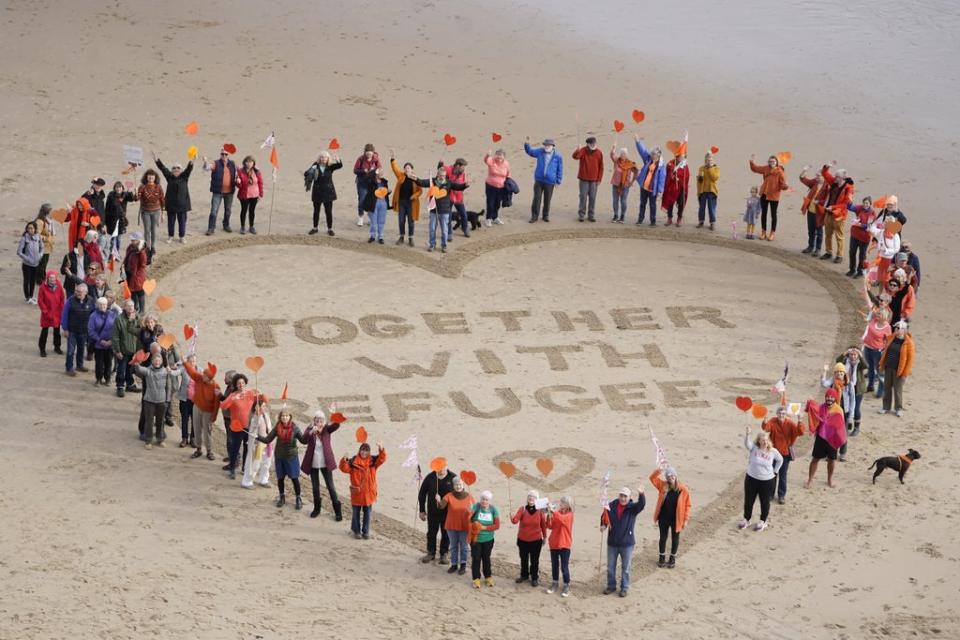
x=900 y=463
x=474 y=217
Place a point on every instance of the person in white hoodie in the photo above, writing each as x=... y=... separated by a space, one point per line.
x=887 y=235
x=259 y=455
x=763 y=464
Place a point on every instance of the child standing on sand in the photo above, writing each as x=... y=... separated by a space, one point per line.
x=752 y=211
x=375 y=205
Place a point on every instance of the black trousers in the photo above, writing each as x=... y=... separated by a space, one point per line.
x=43 y=338
x=42 y=269
x=480 y=555
x=315 y=485
x=435 y=524
x=327 y=212
x=667 y=526
x=530 y=558
x=772 y=205
x=103 y=359
x=29 y=280
x=544 y=191
x=248 y=207
x=858 y=254
x=753 y=488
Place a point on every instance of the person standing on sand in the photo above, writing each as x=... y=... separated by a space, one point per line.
x=620 y=516
x=206 y=404
x=95 y=196
x=30 y=252
x=366 y=169
x=764 y=462
x=774 y=183
x=184 y=395
x=73 y=326
x=839 y=197
x=152 y=203
x=100 y=330
x=440 y=213
x=457 y=174
x=531 y=535
x=116 y=217
x=624 y=173
x=50 y=299
x=126 y=331
x=318 y=179
x=672 y=513
x=590 y=174
x=135 y=270
x=484 y=522
x=45 y=229
x=458 y=505
x=813 y=207
x=249 y=192
x=436 y=484
x=406 y=197
x=362 y=469
x=547 y=175
x=286 y=433
x=676 y=188
x=652 y=178
x=896 y=364
x=826 y=421
x=708 y=175
x=223 y=182
x=864 y=215
x=783 y=434
x=239 y=404
x=560 y=524
x=157 y=391
x=177 y=197
x=319 y=460
x=498 y=170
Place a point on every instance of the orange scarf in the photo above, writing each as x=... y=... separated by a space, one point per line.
x=626 y=167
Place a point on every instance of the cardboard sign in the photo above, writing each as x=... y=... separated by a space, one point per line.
x=132 y=155
x=542 y=503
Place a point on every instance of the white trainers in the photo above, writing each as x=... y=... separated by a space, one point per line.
x=761 y=526
x=898 y=412
x=498 y=221
x=489 y=222
x=743 y=524
x=553 y=587
x=360 y=221
x=882 y=411
x=183 y=240
x=170 y=240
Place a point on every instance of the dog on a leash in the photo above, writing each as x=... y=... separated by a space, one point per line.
x=475 y=218
x=900 y=463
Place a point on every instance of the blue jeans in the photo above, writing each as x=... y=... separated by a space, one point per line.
x=782 y=477
x=444 y=221
x=872 y=356
x=405 y=216
x=648 y=197
x=459 y=549
x=814 y=233
x=378 y=219
x=124 y=372
x=362 y=189
x=215 y=200
x=708 y=202
x=464 y=221
x=620 y=202
x=76 y=343
x=560 y=560
x=625 y=554
x=355 y=522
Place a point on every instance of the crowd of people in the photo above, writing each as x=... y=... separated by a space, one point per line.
x=96 y=302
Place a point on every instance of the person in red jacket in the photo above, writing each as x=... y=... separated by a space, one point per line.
x=676 y=188
x=590 y=174
x=457 y=174
x=50 y=299
x=249 y=192
x=839 y=196
x=864 y=215
x=530 y=538
x=135 y=269
x=560 y=523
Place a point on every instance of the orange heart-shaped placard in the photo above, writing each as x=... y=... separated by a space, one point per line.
x=337 y=418
x=188 y=331
x=254 y=363
x=166 y=340
x=758 y=411
x=744 y=403
x=784 y=157
x=437 y=464
x=507 y=468
x=638 y=116
x=381 y=192
x=229 y=148
x=468 y=477
x=60 y=215
x=361 y=435
x=545 y=465
x=165 y=303
x=191 y=128
x=334 y=144
x=714 y=149
x=496 y=137
x=617 y=126
x=449 y=140
x=138 y=357
x=149 y=285
x=881 y=202
x=673 y=146
x=95 y=221
x=192 y=152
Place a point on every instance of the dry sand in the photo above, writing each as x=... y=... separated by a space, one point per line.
x=103 y=539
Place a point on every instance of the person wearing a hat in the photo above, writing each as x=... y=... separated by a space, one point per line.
x=839 y=197
x=708 y=178
x=206 y=404
x=618 y=519
x=901 y=262
x=839 y=381
x=457 y=174
x=589 y=175
x=896 y=364
x=177 y=197
x=95 y=195
x=891 y=211
x=783 y=434
x=367 y=170
x=223 y=182
x=651 y=178
x=676 y=188
x=826 y=421
x=547 y=175
x=362 y=469
x=672 y=513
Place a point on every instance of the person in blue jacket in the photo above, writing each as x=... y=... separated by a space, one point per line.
x=651 y=178
x=618 y=519
x=548 y=174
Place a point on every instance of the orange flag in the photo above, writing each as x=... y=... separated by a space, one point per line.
x=283 y=394
x=273 y=157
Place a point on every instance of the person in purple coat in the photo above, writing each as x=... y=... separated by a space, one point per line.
x=320 y=460
x=100 y=332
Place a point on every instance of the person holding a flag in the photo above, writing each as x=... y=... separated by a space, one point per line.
x=672 y=513
x=206 y=404
x=618 y=520
x=435 y=486
x=783 y=434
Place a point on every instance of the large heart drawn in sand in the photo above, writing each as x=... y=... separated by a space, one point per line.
x=578 y=463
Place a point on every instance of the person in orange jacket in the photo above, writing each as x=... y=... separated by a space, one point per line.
x=560 y=523
x=672 y=513
x=362 y=469
x=773 y=184
x=896 y=364
x=783 y=434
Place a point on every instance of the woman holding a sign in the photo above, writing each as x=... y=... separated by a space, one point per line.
x=530 y=536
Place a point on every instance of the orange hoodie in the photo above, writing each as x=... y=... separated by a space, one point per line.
x=206 y=395
x=683 y=501
x=363 y=477
x=773 y=180
x=561 y=529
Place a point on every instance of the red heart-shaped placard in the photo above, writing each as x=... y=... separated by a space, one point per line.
x=617 y=126
x=334 y=144
x=638 y=116
x=744 y=403
x=496 y=137
x=449 y=140
x=361 y=435
x=230 y=148
x=714 y=149
x=468 y=477
x=187 y=331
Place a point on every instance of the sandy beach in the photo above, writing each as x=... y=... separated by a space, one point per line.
x=570 y=340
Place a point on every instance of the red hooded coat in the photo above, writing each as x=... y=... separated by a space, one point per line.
x=50 y=301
